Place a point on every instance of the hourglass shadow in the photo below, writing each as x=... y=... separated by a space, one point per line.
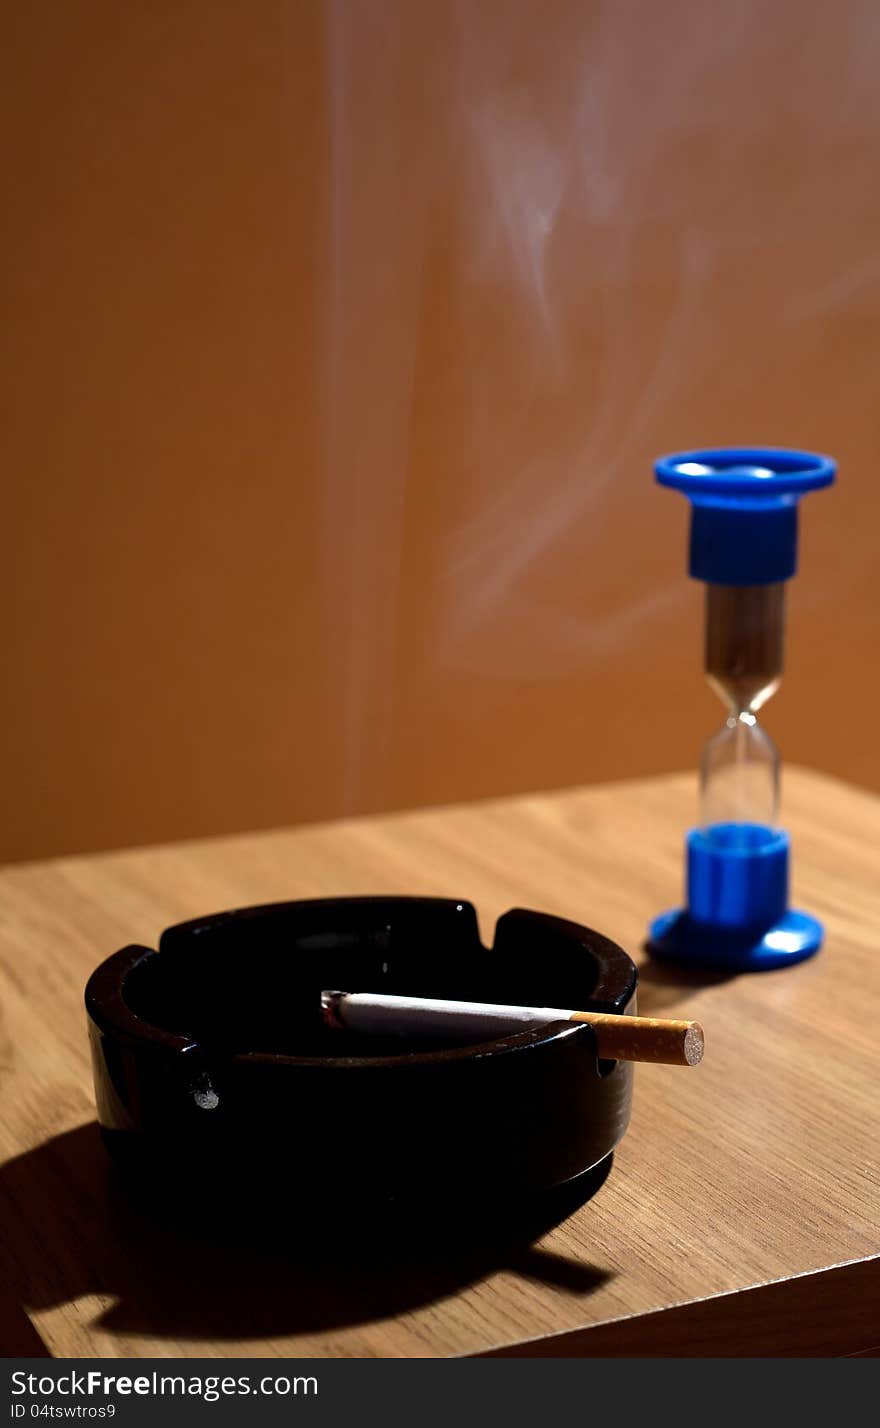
x=78 y=1227
x=663 y=984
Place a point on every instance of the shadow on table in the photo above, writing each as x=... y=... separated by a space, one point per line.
x=75 y=1230
x=663 y=984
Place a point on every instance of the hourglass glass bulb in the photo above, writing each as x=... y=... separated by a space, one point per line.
x=744 y=643
x=739 y=772
x=739 y=779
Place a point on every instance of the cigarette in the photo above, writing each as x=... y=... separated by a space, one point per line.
x=618 y=1037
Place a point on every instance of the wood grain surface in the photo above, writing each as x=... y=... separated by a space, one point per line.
x=757 y=1171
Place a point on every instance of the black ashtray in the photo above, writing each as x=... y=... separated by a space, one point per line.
x=216 y=1075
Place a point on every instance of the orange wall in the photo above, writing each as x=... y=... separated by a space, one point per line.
x=341 y=337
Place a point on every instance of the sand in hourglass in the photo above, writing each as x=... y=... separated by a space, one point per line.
x=744 y=642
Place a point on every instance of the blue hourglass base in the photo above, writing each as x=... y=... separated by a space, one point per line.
x=737 y=917
x=675 y=937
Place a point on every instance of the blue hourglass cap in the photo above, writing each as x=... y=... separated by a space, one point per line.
x=744 y=516
x=743 y=532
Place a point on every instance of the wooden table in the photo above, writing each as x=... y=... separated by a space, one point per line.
x=740 y=1217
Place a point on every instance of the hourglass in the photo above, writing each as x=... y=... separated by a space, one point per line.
x=744 y=546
